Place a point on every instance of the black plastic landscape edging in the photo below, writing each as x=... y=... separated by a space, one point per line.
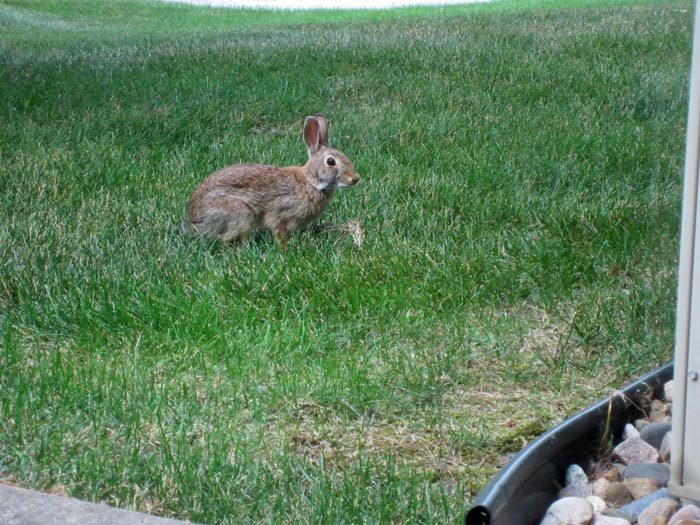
x=525 y=487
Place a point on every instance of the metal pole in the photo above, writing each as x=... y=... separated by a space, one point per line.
x=685 y=457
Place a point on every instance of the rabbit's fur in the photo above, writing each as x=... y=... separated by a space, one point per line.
x=236 y=199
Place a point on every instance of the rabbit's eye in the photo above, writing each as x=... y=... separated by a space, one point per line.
x=330 y=161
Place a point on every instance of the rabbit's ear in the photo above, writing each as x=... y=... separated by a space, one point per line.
x=312 y=134
x=323 y=123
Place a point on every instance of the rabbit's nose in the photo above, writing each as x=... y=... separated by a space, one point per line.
x=347 y=179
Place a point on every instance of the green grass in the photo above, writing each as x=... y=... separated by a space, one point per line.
x=521 y=164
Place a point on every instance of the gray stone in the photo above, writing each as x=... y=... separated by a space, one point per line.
x=576 y=476
x=665 y=447
x=659 y=472
x=658 y=512
x=630 y=432
x=654 y=433
x=635 y=450
x=26 y=507
x=614 y=513
x=688 y=512
x=632 y=510
x=568 y=511
x=602 y=519
x=575 y=491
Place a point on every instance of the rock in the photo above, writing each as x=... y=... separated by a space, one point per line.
x=668 y=391
x=639 y=424
x=630 y=432
x=598 y=504
x=602 y=519
x=659 y=511
x=631 y=511
x=654 y=433
x=568 y=511
x=659 y=472
x=635 y=450
x=689 y=513
x=576 y=476
x=640 y=487
x=612 y=474
x=665 y=447
x=659 y=411
x=616 y=494
x=628 y=491
x=575 y=491
x=614 y=513
x=600 y=487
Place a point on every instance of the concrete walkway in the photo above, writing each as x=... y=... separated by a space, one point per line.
x=26 y=507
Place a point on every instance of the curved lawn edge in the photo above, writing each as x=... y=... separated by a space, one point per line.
x=522 y=490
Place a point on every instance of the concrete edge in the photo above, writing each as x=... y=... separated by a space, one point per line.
x=27 y=507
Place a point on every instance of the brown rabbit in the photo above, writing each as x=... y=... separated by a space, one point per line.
x=234 y=200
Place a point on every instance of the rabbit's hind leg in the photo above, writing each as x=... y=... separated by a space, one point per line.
x=235 y=230
x=231 y=224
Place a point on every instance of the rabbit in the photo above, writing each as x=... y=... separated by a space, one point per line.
x=231 y=202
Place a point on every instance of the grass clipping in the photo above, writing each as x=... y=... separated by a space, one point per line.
x=340 y=229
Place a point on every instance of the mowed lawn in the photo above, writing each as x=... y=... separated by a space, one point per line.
x=521 y=172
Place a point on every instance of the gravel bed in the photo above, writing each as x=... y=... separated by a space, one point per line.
x=629 y=487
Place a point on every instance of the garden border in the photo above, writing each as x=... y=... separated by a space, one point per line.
x=523 y=489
